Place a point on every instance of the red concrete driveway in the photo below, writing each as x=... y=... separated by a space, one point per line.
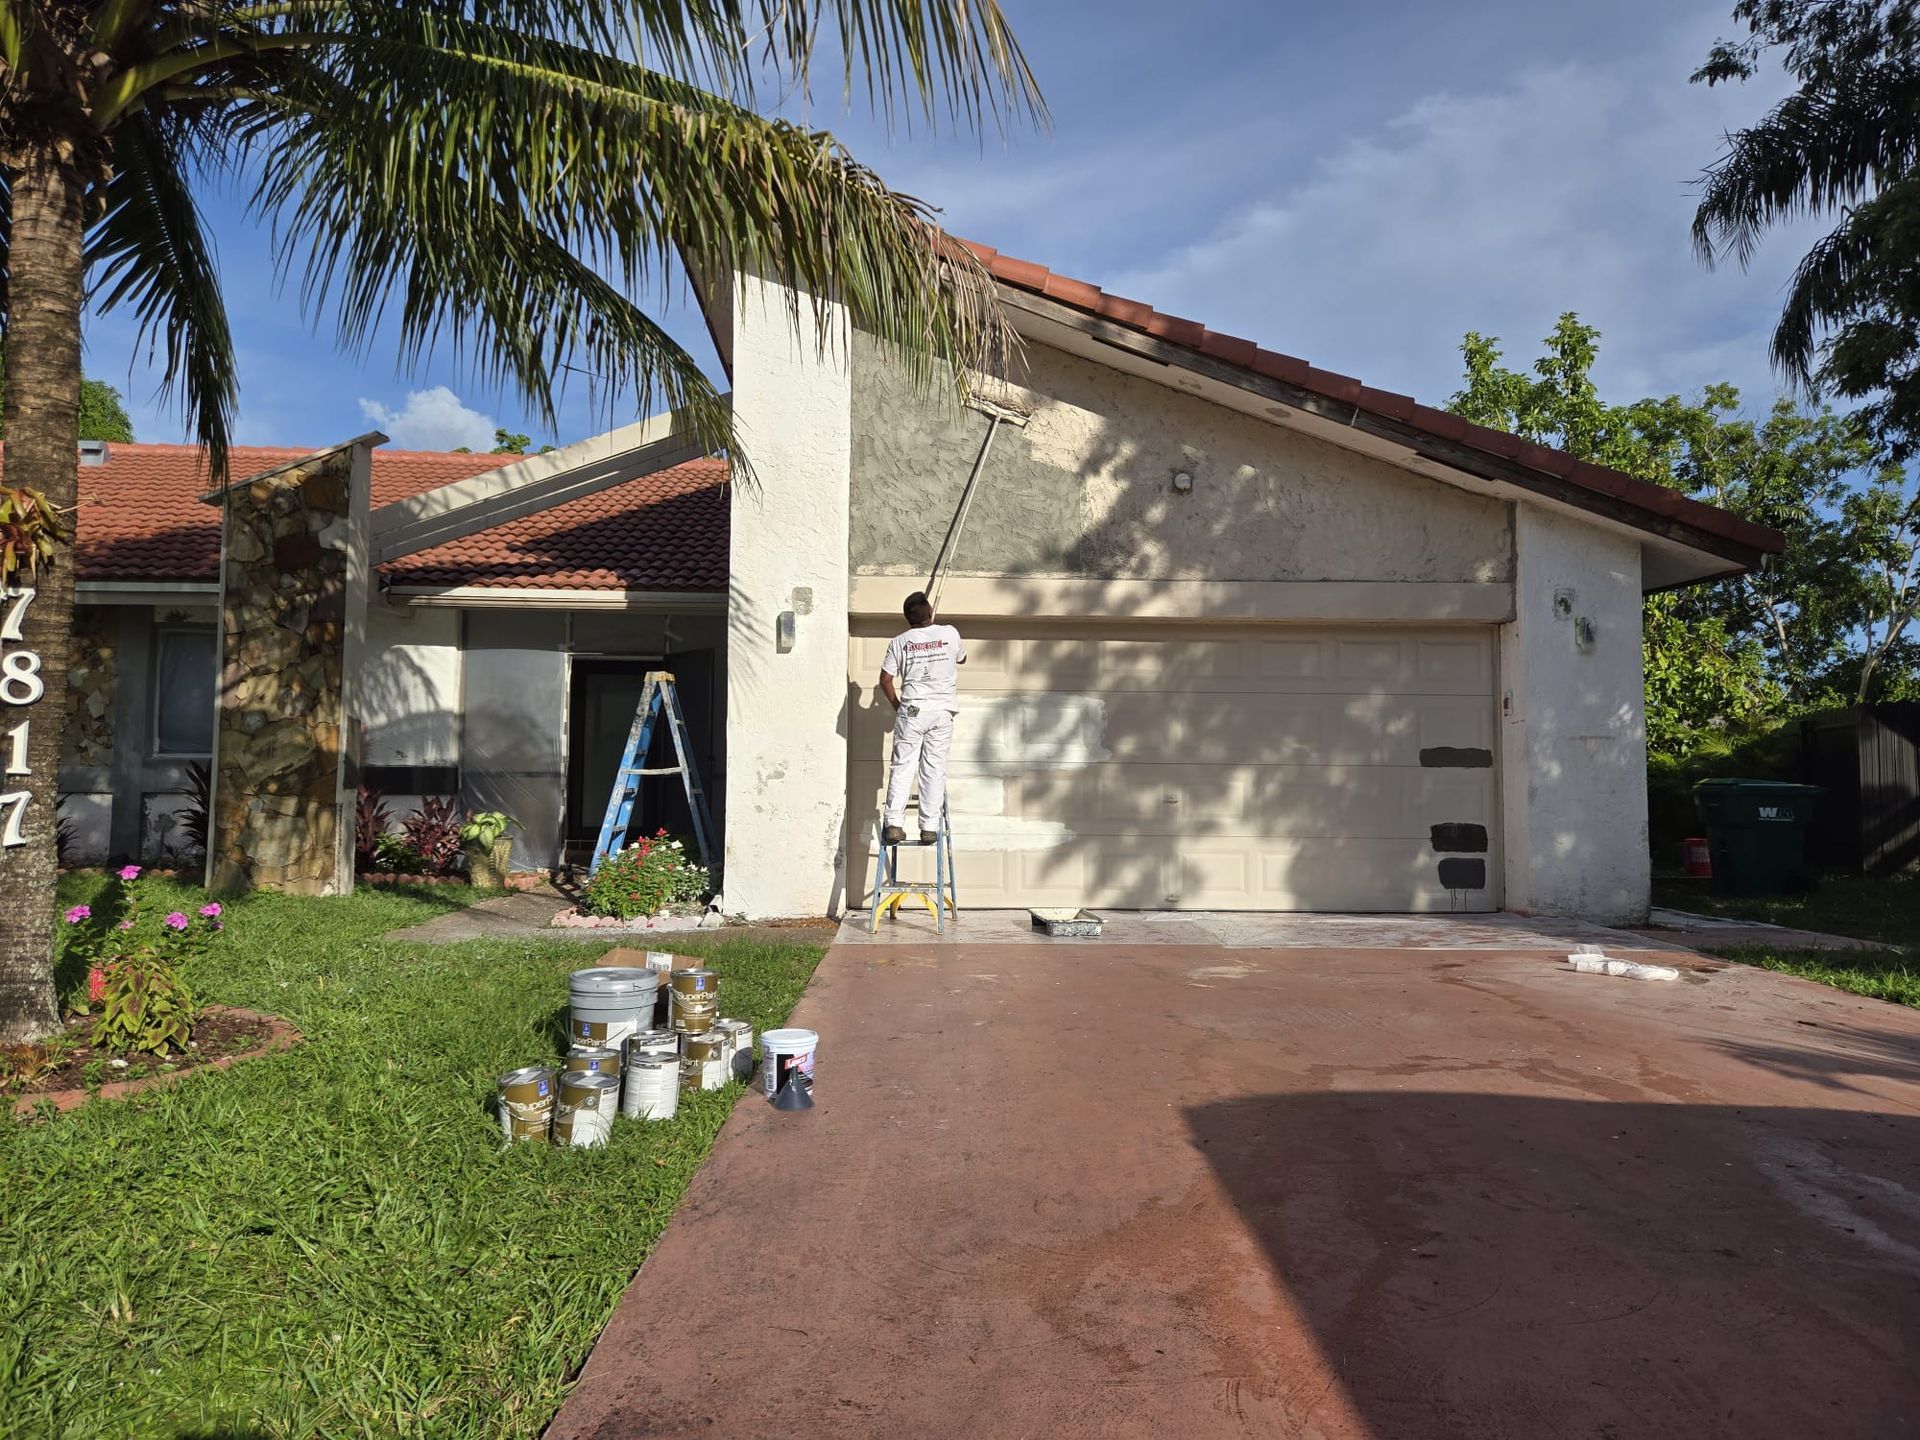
x=1170 y=1191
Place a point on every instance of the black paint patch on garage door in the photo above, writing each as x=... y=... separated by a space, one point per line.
x=1460 y=839
x=1453 y=757
x=1463 y=874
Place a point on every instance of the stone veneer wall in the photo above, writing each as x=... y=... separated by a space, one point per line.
x=290 y=585
x=90 y=682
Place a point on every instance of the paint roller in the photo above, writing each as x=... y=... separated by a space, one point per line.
x=998 y=413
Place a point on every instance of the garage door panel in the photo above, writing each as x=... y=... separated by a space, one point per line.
x=1244 y=768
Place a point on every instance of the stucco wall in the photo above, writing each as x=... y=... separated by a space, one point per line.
x=1573 y=725
x=1086 y=488
x=786 y=713
x=410 y=688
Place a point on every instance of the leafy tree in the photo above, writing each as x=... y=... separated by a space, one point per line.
x=1844 y=143
x=1822 y=621
x=102 y=416
x=505 y=444
x=504 y=175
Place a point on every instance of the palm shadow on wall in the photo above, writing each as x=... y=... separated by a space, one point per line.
x=1115 y=517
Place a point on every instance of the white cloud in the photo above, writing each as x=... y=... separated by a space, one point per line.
x=432 y=419
x=1564 y=188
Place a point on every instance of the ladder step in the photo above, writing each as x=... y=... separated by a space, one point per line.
x=668 y=770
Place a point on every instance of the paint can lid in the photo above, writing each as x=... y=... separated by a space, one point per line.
x=613 y=980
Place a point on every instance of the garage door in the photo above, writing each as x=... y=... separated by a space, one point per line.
x=1250 y=768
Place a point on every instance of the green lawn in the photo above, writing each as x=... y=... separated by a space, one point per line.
x=1885 y=909
x=332 y=1241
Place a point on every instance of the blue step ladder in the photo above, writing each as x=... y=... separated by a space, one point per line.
x=657 y=698
x=938 y=894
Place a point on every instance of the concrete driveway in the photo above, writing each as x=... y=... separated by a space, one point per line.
x=1165 y=1189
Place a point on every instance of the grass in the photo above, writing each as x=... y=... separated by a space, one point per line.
x=1883 y=909
x=333 y=1241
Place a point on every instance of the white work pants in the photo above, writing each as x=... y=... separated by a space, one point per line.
x=926 y=738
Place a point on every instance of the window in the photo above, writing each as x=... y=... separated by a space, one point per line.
x=185 y=666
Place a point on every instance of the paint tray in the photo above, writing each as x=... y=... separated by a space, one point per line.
x=1064 y=923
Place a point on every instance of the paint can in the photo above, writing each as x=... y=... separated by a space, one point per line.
x=784 y=1054
x=526 y=1103
x=653 y=1040
x=594 y=1059
x=609 y=1003
x=704 y=1063
x=696 y=1001
x=660 y=962
x=739 y=1037
x=584 y=1115
x=652 y=1085
x=1697 y=857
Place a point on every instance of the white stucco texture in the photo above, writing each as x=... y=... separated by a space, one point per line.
x=786 y=712
x=1573 y=728
x=1087 y=488
x=410 y=689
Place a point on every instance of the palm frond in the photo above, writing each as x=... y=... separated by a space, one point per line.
x=465 y=171
x=1814 y=151
x=150 y=251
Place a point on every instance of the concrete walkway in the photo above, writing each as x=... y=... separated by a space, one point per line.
x=1171 y=1189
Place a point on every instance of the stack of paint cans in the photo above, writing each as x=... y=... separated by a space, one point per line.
x=619 y=1061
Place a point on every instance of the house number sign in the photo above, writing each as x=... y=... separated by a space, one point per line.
x=20 y=686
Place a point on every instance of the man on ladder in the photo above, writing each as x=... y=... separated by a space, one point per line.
x=921 y=679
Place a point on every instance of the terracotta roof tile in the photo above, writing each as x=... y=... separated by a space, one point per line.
x=1190 y=334
x=141 y=518
x=664 y=531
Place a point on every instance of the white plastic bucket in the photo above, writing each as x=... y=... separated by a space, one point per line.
x=609 y=1003
x=784 y=1053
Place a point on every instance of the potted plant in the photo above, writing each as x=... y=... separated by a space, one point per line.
x=489 y=847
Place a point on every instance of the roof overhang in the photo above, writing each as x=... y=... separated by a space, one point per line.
x=1675 y=550
x=498 y=597
x=526 y=487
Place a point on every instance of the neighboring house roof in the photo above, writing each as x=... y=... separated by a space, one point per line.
x=663 y=531
x=141 y=518
x=1598 y=481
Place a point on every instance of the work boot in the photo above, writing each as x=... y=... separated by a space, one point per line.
x=893 y=835
x=928 y=837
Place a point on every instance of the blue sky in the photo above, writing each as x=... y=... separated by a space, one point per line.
x=1355 y=184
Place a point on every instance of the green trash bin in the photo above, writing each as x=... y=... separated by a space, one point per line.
x=1756 y=833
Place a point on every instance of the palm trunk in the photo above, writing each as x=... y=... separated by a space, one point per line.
x=41 y=408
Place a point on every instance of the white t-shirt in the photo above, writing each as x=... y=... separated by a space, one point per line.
x=926 y=662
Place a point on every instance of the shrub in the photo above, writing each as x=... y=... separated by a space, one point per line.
x=196 y=816
x=134 y=984
x=486 y=828
x=434 y=833
x=395 y=855
x=642 y=878
x=371 y=820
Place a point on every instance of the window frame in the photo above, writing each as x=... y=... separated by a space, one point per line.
x=160 y=633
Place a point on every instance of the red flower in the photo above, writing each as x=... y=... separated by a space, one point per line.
x=96 y=983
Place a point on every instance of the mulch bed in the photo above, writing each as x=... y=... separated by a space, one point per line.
x=222 y=1036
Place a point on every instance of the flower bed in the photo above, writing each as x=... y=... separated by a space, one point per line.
x=68 y=1070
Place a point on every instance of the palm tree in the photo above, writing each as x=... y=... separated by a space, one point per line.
x=504 y=175
x=1846 y=141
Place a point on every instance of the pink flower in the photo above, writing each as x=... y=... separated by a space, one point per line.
x=96 y=983
x=77 y=914
x=210 y=912
x=130 y=872
x=176 y=921
x=219 y=924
